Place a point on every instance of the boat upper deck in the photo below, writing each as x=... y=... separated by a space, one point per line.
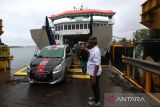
x=82 y=13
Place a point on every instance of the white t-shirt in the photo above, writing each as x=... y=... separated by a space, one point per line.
x=94 y=59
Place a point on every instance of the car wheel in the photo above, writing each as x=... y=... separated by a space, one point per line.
x=32 y=84
x=64 y=76
x=66 y=79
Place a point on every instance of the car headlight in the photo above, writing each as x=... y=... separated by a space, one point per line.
x=57 y=68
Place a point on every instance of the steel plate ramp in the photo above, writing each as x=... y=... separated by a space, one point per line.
x=76 y=71
x=21 y=72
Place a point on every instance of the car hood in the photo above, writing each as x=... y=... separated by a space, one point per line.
x=44 y=64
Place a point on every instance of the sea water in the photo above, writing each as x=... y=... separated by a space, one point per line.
x=22 y=56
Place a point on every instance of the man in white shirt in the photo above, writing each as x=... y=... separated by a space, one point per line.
x=94 y=70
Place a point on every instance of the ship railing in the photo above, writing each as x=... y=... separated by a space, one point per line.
x=148 y=67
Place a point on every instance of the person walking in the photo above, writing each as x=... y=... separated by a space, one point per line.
x=94 y=69
x=83 y=56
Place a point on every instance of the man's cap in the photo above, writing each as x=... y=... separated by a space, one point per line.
x=92 y=39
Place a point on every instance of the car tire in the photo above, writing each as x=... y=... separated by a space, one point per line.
x=32 y=84
x=66 y=78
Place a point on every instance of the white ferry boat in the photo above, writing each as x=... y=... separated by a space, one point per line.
x=72 y=26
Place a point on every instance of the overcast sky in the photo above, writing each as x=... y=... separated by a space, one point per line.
x=19 y=16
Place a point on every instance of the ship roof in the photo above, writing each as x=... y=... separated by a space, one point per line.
x=65 y=20
x=85 y=11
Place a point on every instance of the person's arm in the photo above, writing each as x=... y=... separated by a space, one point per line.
x=95 y=73
x=86 y=49
x=96 y=70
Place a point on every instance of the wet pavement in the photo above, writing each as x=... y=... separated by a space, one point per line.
x=74 y=93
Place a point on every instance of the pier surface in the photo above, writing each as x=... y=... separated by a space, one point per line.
x=72 y=93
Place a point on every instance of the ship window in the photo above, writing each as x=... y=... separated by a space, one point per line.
x=77 y=26
x=65 y=27
x=98 y=24
x=88 y=26
x=72 y=17
x=94 y=24
x=87 y=15
x=73 y=26
x=83 y=15
x=56 y=28
x=81 y=26
x=69 y=27
x=85 y=26
x=57 y=37
x=106 y=24
x=61 y=27
x=96 y=14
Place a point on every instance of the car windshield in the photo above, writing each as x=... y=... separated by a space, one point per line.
x=51 y=52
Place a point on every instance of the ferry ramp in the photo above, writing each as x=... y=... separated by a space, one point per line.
x=72 y=93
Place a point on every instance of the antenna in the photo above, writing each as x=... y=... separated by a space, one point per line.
x=81 y=7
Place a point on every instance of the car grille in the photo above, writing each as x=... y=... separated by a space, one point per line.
x=45 y=77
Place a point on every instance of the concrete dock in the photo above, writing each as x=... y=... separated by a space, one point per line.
x=73 y=93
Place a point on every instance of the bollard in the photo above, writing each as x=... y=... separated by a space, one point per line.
x=143 y=82
x=148 y=76
x=148 y=81
x=4 y=65
x=128 y=70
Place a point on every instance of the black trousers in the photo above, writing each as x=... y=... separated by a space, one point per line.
x=96 y=89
